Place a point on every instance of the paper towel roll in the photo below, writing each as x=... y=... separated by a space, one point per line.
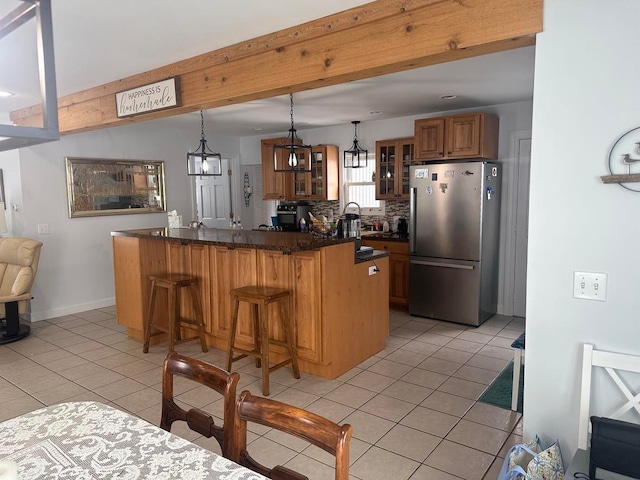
x=8 y=470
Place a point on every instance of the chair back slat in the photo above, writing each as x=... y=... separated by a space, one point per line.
x=209 y=375
x=612 y=363
x=308 y=426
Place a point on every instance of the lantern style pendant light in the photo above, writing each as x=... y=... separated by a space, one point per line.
x=356 y=157
x=292 y=155
x=204 y=161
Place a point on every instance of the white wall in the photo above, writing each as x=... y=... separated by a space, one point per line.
x=76 y=266
x=10 y=165
x=586 y=94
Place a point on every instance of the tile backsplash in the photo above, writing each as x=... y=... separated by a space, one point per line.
x=399 y=208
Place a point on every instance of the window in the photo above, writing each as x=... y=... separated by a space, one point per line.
x=359 y=187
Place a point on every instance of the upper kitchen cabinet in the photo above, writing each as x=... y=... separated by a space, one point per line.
x=274 y=184
x=473 y=135
x=393 y=159
x=321 y=183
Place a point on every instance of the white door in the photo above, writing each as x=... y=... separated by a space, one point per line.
x=522 y=227
x=213 y=198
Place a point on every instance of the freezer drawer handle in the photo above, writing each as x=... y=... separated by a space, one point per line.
x=445 y=265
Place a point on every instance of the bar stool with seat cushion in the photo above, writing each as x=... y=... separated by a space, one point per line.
x=259 y=298
x=224 y=383
x=174 y=283
x=18 y=266
x=295 y=421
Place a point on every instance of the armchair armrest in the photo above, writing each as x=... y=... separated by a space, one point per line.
x=15 y=298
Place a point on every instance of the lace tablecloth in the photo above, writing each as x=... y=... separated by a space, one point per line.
x=89 y=440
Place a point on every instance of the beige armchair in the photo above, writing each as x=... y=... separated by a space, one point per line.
x=18 y=266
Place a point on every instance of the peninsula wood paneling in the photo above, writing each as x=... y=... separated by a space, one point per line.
x=334 y=49
x=340 y=311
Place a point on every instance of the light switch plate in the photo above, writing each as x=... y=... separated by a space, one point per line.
x=590 y=286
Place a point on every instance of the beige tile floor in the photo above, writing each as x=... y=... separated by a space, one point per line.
x=412 y=406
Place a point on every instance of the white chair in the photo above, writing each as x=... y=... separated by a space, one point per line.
x=612 y=363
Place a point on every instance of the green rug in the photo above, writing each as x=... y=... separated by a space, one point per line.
x=499 y=392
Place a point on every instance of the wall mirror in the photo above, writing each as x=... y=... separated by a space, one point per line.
x=97 y=186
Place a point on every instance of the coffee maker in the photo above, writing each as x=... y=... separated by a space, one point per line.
x=351 y=224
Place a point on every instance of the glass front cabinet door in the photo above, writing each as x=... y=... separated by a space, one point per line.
x=321 y=183
x=393 y=159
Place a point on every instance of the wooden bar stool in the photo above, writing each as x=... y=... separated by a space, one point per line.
x=259 y=298
x=173 y=282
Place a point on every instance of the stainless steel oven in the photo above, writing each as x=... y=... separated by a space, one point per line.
x=290 y=214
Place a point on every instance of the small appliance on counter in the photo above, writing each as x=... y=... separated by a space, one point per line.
x=351 y=225
x=403 y=228
x=290 y=214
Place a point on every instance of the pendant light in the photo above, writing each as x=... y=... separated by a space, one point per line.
x=204 y=162
x=356 y=157
x=292 y=155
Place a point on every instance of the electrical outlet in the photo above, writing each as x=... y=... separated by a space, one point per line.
x=43 y=229
x=373 y=270
x=590 y=286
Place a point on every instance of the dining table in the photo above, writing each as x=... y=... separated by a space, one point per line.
x=90 y=440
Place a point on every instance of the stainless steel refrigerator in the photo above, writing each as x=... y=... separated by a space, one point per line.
x=453 y=241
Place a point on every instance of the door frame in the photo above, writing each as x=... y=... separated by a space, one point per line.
x=510 y=217
x=236 y=188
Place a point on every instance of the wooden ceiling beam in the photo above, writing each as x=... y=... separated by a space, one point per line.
x=378 y=38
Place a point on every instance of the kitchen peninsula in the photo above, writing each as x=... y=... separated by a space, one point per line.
x=340 y=310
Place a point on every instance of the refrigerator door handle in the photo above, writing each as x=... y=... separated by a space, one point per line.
x=412 y=217
x=444 y=265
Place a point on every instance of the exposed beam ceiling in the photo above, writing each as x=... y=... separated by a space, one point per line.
x=385 y=37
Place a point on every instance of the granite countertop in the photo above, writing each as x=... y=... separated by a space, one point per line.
x=286 y=242
x=393 y=237
x=374 y=256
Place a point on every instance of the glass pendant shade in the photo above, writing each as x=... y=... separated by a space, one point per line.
x=203 y=161
x=355 y=157
x=292 y=155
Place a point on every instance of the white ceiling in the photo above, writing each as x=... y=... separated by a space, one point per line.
x=100 y=41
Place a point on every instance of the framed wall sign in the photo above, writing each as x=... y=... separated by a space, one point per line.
x=98 y=186
x=149 y=98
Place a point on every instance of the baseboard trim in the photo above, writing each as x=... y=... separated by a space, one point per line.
x=70 y=310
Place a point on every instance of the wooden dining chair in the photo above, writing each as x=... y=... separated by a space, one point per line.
x=313 y=428
x=221 y=381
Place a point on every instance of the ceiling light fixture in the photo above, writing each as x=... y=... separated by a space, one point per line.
x=204 y=162
x=4 y=93
x=356 y=157
x=292 y=155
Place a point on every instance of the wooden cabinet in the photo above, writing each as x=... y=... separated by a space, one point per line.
x=299 y=272
x=398 y=268
x=229 y=269
x=274 y=184
x=473 y=135
x=393 y=159
x=321 y=183
x=192 y=260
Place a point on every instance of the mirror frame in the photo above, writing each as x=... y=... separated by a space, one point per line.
x=81 y=185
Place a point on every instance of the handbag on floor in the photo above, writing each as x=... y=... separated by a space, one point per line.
x=529 y=462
